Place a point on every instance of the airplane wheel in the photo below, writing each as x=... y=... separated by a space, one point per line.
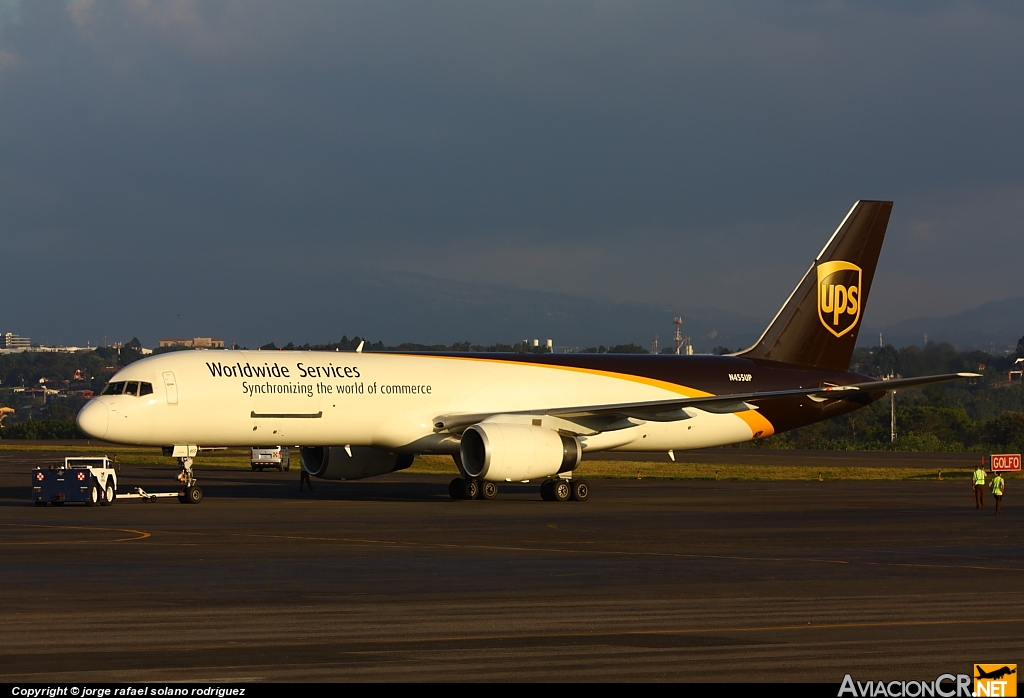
x=193 y=495
x=455 y=488
x=545 y=491
x=109 y=495
x=560 y=491
x=488 y=490
x=470 y=488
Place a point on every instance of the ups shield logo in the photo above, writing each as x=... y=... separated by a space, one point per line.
x=839 y=285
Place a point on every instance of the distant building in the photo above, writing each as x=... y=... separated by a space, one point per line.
x=194 y=343
x=1017 y=372
x=9 y=340
x=56 y=350
x=11 y=343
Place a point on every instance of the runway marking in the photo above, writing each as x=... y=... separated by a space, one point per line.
x=140 y=535
x=628 y=553
x=710 y=631
x=561 y=636
x=924 y=552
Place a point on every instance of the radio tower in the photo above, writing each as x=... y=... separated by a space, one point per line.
x=683 y=345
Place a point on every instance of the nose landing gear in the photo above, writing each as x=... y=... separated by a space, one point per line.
x=190 y=492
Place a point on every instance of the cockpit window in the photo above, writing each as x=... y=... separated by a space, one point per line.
x=128 y=388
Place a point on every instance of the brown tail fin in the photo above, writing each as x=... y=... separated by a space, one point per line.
x=818 y=325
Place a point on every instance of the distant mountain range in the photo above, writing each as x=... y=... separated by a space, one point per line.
x=414 y=307
x=994 y=326
x=484 y=313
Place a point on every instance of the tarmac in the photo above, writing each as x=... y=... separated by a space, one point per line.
x=388 y=579
x=797 y=457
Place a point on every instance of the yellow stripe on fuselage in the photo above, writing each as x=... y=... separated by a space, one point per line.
x=759 y=425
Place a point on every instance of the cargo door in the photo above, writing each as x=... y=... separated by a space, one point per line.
x=284 y=405
x=285 y=415
x=170 y=388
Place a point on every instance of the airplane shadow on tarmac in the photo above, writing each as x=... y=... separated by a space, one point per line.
x=366 y=490
x=280 y=490
x=15 y=496
x=362 y=490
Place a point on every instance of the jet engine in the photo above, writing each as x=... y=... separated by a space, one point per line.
x=335 y=463
x=495 y=452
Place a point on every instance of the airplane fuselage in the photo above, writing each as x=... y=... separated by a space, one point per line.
x=391 y=401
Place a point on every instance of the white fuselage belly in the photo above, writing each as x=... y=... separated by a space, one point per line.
x=242 y=398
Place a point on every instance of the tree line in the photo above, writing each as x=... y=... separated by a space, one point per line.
x=980 y=415
x=984 y=414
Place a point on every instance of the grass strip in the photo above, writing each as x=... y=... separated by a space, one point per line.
x=229 y=458
x=613 y=469
x=238 y=459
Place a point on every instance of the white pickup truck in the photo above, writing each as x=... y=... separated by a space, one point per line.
x=270 y=457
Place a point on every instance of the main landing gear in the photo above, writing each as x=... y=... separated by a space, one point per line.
x=470 y=488
x=563 y=490
x=550 y=490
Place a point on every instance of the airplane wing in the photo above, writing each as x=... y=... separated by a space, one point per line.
x=600 y=417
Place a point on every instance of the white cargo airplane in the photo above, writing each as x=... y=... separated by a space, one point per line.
x=512 y=417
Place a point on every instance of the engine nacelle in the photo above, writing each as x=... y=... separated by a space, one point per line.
x=334 y=462
x=496 y=452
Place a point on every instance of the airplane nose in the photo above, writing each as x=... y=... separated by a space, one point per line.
x=93 y=419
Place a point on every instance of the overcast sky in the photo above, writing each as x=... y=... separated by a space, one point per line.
x=300 y=170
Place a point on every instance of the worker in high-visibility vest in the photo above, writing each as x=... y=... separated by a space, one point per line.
x=979 y=487
x=997 y=486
